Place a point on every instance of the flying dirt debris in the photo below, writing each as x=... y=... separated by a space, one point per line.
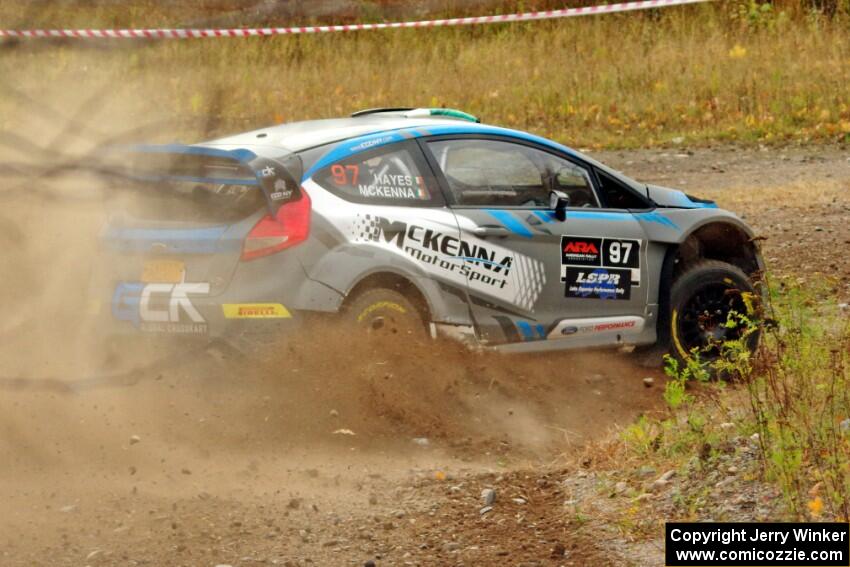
x=261 y=404
x=127 y=419
x=189 y=431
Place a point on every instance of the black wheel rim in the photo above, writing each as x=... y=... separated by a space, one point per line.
x=701 y=321
x=388 y=322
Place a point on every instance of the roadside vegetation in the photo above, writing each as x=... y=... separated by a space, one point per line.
x=788 y=405
x=742 y=71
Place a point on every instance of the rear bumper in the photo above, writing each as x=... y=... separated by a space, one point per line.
x=265 y=296
x=210 y=318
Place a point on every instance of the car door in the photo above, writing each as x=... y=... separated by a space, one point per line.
x=377 y=212
x=530 y=276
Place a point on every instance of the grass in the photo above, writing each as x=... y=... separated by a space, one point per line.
x=793 y=394
x=801 y=405
x=729 y=72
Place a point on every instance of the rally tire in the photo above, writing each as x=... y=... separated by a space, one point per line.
x=385 y=312
x=700 y=302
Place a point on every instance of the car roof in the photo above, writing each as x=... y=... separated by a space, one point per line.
x=299 y=136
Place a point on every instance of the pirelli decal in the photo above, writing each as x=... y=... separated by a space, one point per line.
x=255 y=311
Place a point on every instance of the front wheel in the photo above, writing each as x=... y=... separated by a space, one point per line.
x=385 y=312
x=712 y=303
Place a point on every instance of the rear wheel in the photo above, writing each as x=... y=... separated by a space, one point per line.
x=701 y=302
x=385 y=312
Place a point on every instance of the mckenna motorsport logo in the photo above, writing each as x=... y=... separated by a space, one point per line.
x=494 y=270
x=160 y=307
x=428 y=245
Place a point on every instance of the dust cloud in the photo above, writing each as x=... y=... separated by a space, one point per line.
x=94 y=429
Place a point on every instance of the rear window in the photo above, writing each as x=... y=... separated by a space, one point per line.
x=193 y=202
x=155 y=165
x=393 y=175
x=190 y=187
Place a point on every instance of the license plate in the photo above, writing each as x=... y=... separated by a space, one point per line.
x=163 y=271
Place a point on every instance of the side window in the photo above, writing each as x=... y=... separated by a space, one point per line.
x=394 y=175
x=618 y=196
x=492 y=173
x=575 y=182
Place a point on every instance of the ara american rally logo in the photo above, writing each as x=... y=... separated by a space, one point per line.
x=581 y=251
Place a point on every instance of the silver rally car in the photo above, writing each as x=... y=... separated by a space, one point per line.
x=419 y=220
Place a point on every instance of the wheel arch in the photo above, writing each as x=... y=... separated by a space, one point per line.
x=721 y=239
x=727 y=240
x=389 y=279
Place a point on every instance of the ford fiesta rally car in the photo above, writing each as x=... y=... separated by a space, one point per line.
x=404 y=220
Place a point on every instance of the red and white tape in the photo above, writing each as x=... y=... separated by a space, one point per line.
x=249 y=32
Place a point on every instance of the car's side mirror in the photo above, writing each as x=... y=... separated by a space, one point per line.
x=558 y=202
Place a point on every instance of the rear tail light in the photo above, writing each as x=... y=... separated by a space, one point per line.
x=290 y=226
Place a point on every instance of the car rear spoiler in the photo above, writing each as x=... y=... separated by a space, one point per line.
x=279 y=178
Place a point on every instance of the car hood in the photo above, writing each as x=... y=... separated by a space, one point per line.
x=673 y=198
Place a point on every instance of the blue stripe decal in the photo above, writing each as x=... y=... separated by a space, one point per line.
x=510 y=222
x=529 y=332
x=653 y=217
x=679 y=199
x=177 y=241
x=212 y=233
x=191 y=179
x=241 y=154
x=658 y=218
x=180 y=247
x=545 y=216
x=525 y=327
x=470 y=128
x=599 y=215
x=354 y=146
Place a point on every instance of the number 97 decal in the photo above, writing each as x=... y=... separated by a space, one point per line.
x=625 y=253
x=341 y=174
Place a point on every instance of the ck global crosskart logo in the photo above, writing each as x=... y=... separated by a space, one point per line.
x=160 y=307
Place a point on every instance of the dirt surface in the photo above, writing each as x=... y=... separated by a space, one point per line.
x=336 y=457
x=339 y=452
